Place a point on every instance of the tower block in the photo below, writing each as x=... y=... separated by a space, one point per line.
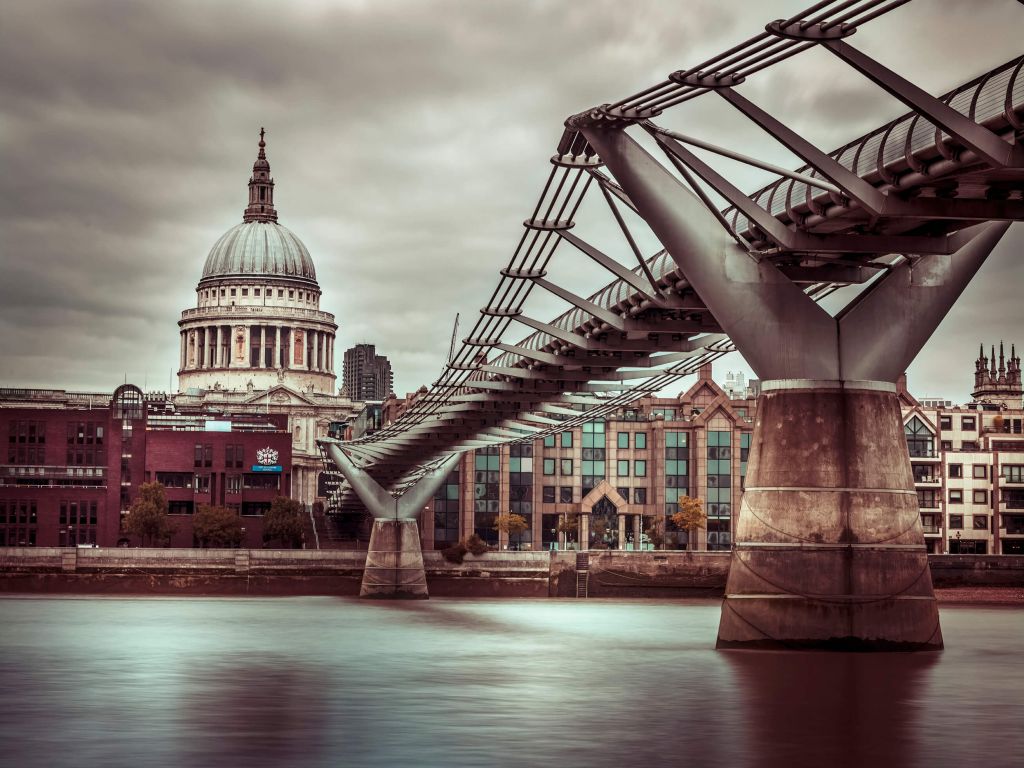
x=828 y=549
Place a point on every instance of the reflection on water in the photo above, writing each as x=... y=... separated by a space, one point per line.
x=330 y=682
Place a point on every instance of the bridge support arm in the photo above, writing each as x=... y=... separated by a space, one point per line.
x=751 y=300
x=379 y=501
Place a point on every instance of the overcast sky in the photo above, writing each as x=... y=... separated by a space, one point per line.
x=408 y=141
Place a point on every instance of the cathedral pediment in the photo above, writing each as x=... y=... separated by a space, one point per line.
x=279 y=395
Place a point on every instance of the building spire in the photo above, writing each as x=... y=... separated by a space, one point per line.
x=261 y=188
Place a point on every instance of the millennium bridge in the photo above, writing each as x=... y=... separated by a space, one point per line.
x=828 y=547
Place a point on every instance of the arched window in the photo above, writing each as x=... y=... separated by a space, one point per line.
x=920 y=440
x=128 y=402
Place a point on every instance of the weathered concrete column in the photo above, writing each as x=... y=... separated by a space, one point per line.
x=829 y=550
x=394 y=559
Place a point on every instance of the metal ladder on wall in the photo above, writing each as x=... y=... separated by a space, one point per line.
x=582 y=573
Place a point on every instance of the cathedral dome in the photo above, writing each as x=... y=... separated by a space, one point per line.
x=259 y=248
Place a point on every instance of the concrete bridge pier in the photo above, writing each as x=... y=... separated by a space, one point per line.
x=394 y=559
x=828 y=548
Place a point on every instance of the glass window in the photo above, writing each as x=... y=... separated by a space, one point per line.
x=980 y=522
x=623 y=468
x=549 y=441
x=624 y=493
x=640 y=468
x=956 y=496
x=920 y=441
x=956 y=470
x=565 y=494
x=640 y=441
x=967 y=423
x=623 y=440
x=945 y=422
x=979 y=471
x=567 y=439
x=549 y=466
x=980 y=497
x=548 y=494
x=639 y=495
x=566 y=465
x=956 y=521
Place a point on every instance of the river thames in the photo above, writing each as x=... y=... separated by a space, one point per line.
x=337 y=682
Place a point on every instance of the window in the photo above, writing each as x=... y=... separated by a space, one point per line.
x=233 y=484
x=232 y=291
x=956 y=496
x=947 y=445
x=969 y=445
x=1013 y=473
x=179 y=508
x=927 y=498
x=639 y=495
x=945 y=422
x=203 y=455
x=549 y=441
x=979 y=496
x=669 y=414
x=261 y=480
x=280 y=293
x=567 y=439
x=640 y=468
x=623 y=440
x=291 y=293
x=245 y=291
x=202 y=483
x=956 y=470
x=233 y=456
x=640 y=441
x=174 y=479
x=956 y=522
x=255 y=508
x=565 y=494
x=549 y=466
x=967 y=423
x=548 y=494
x=920 y=441
x=622 y=469
x=979 y=471
x=566 y=466
x=520 y=476
x=624 y=493
x=486 y=492
x=446 y=511
x=592 y=466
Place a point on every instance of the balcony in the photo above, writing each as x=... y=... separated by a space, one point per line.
x=929 y=481
x=243 y=311
x=923 y=454
x=931 y=528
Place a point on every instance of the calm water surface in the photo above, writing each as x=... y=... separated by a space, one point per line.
x=336 y=682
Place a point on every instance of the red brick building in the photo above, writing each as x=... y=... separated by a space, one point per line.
x=74 y=464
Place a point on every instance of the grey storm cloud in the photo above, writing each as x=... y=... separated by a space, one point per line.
x=408 y=141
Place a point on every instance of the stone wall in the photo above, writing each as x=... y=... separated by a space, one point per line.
x=339 y=572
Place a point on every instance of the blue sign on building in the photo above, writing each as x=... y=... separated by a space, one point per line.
x=266 y=467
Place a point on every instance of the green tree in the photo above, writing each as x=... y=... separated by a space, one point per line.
x=217 y=527
x=690 y=517
x=283 y=523
x=147 y=516
x=511 y=524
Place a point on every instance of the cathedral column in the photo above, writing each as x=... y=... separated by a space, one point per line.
x=318 y=349
x=206 y=346
x=181 y=353
x=263 y=346
x=277 y=347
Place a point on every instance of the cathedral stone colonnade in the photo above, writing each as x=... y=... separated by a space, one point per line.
x=829 y=549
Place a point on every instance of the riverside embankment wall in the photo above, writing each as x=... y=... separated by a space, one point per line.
x=333 y=572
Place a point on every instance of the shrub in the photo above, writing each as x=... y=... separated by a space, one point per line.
x=476 y=545
x=456 y=553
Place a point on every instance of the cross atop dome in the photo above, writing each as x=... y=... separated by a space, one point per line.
x=261 y=188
